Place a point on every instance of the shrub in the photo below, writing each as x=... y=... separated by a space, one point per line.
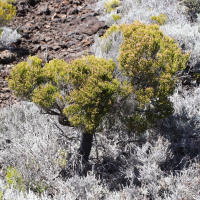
x=160 y=19
x=113 y=28
x=39 y=187
x=80 y=93
x=14 y=178
x=111 y=5
x=8 y=36
x=61 y=160
x=116 y=17
x=83 y=91
x=7 y=12
x=150 y=59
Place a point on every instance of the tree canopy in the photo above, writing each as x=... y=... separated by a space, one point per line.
x=83 y=91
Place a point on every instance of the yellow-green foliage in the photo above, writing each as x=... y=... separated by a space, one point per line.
x=11 y=1
x=111 y=5
x=26 y=76
x=61 y=161
x=116 y=17
x=7 y=12
x=14 y=178
x=1 y=30
x=39 y=187
x=54 y=70
x=106 y=46
x=94 y=91
x=86 y=86
x=150 y=59
x=160 y=19
x=110 y=30
x=45 y=95
x=90 y=79
x=1 y=195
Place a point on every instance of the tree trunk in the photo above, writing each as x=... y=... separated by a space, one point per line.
x=86 y=145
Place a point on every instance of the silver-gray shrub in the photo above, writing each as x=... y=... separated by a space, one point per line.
x=183 y=127
x=178 y=26
x=30 y=141
x=8 y=36
x=127 y=167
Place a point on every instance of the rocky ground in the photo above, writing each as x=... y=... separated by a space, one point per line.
x=50 y=29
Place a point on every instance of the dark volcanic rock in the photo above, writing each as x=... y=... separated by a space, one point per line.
x=91 y=26
x=7 y=57
x=49 y=23
x=43 y=9
x=73 y=11
x=196 y=68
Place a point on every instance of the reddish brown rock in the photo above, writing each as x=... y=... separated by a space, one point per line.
x=7 y=57
x=43 y=9
x=85 y=42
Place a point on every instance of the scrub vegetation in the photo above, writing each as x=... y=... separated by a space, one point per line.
x=160 y=19
x=110 y=5
x=114 y=125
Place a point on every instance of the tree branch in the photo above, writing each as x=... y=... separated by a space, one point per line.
x=63 y=120
x=63 y=134
x=49 y=112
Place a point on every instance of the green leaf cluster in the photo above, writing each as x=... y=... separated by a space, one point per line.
x=26 y=76
x=110 y=5
x=61 y=161
x=39 y=187
x=86 y=87
x=1 y=194
x=88 y=84
x=150 y=59
x=160 y=19
x=14 y=178
x=45 y=95
x=94 y=91
x=7 y=12
x=116 y=17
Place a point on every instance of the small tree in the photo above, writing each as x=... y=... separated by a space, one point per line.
x=82 y=92
x=150 y=60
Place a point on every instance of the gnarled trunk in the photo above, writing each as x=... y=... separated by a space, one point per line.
x=86 y=145
x=86 y=140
